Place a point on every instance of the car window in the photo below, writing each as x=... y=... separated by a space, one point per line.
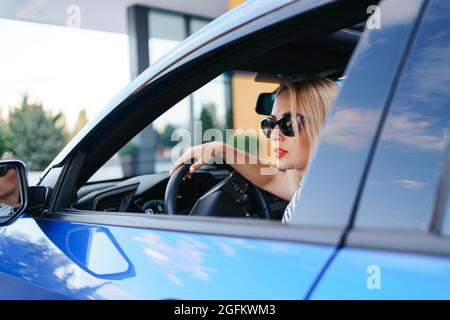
x=150 y=151
x=203 y=116
x=404 y=177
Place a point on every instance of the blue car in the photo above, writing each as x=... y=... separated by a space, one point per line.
x=371 y=221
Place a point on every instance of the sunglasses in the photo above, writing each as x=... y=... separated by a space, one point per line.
x=4 y=169
x=268 y=124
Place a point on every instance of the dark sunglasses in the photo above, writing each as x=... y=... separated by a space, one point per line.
x=285 y=125
x=4 y=169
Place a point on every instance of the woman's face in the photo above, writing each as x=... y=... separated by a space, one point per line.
x=290 y=152
x=9 y=188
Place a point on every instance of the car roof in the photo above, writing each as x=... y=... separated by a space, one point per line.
x=327 y=55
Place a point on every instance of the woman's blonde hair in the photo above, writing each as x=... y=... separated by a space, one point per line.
x=312 y=97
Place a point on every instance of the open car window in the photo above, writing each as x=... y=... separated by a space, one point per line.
x=135 y=179
x=150 y=151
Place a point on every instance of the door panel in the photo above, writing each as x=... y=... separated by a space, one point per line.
x=42 y=261
x=401 y=198
x=374 y=274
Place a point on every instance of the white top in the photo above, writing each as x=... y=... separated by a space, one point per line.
x=7 y=210
x=288 y=215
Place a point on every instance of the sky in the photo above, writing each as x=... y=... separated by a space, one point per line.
x=67 y=69
x=70 y=69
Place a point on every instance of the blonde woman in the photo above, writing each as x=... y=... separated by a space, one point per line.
x=298 y=113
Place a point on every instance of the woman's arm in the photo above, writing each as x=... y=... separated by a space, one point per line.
x=249 y=166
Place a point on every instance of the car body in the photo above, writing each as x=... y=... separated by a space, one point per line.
x=344 y=247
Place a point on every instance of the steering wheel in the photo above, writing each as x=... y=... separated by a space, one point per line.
x=228 y=198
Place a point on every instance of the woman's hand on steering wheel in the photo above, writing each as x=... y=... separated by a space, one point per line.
x=202 y=154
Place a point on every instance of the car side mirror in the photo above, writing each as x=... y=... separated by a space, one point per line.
x=264 y=104
x=13 y=190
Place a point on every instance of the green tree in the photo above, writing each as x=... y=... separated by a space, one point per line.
x=246 y=143
x=130 y=149
x=35 y=136
x=4 y=138
x=208 y=117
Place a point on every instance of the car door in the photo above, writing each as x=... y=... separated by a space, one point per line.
x=66 y=253
x=398 y=246
x=73 y=254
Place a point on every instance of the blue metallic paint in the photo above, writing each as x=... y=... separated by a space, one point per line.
x=54 y=259
x=167 y=265
x=403 y=276
x=337 y=170
x=421 y=102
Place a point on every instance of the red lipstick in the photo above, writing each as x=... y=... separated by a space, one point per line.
x=280 y=152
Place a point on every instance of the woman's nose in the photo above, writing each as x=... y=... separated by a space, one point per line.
x=276 y=135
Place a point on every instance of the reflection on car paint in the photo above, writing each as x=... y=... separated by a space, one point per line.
x=336 y=172
x=172 y=265
x=407 y=165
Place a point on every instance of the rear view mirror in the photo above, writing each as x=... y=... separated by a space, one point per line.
x=264 y=104
x=13 y=189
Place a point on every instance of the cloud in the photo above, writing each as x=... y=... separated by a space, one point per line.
x=184 y=258
x=226 y=249
x=112 y=291
x=396 y=13
x=350 y=128
x=411 y=184
x=415 y=130
x=391 y=13
x=404 y=183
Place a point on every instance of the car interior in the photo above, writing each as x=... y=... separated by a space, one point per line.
x=216 y=190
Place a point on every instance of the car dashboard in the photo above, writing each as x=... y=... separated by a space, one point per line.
x=145 y=194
